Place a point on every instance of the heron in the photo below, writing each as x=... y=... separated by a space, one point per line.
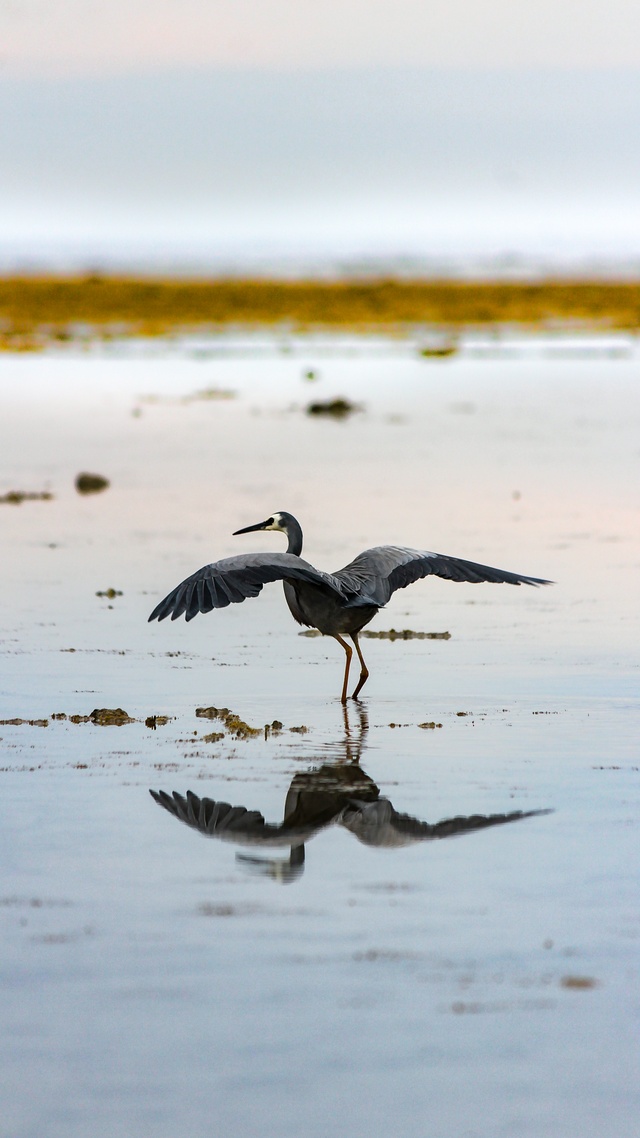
x=324 y=796
x=336 y=604
x=336 y=792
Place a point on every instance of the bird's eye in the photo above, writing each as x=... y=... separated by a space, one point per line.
x=270 y=522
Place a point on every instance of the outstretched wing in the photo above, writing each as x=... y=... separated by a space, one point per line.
x=234 y=579
x=378 y=824
x=375 y=574
x=230 y=823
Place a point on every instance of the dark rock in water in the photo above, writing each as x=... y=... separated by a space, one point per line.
x=333 y=408
x=110 y=716
x=91 y=483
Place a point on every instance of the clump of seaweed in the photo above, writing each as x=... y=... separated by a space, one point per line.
x=439 y=352
x=91 y=483
x=338 y=408
x=233 y=723
x=110 y=717
x=25 y=722
x=405 y=634
x=210 y=395
x=102 y=716
x=110 y=593
x=389 y=634
x=17 y=497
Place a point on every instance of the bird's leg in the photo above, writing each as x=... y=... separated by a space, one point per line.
x=349 y=651
x=347 y=731
x=364 y=671
x=354 y=744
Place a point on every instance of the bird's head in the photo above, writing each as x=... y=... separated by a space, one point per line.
x=281 y=522
x=278 y=522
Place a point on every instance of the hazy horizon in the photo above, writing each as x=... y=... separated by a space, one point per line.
x=269 y=137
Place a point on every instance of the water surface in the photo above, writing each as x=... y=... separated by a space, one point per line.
x=347 y=966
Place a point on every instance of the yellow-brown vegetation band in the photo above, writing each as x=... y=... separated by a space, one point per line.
x=55 y=307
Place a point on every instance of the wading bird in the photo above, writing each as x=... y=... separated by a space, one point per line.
x=338 y=792
x=335 y=793
x=316 y=800
x=336 y=604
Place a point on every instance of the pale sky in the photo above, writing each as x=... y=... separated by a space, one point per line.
x=226 y=130
x=96 y=36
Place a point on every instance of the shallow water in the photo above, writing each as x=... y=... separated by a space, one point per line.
x=352 y=971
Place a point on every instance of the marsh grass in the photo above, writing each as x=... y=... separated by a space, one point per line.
x=36 y=311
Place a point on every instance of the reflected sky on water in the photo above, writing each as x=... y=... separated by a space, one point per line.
x=156 y=981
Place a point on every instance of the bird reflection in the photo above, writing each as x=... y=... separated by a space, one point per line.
x=334 y=793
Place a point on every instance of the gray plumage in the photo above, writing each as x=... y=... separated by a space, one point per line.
x=235 y=579
x=231 y=823
x=334 y=603
x=379 y=824
x=309 y=809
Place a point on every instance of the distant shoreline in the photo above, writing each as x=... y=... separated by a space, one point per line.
x=35 y=309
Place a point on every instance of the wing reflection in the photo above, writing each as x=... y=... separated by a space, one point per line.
x=378 y=824
x=334 y=793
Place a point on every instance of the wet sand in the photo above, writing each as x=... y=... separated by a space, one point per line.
x=335 y=962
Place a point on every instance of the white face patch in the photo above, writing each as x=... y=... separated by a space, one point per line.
x=277 y=524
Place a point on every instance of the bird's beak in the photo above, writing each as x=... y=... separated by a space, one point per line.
x=252 y=529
